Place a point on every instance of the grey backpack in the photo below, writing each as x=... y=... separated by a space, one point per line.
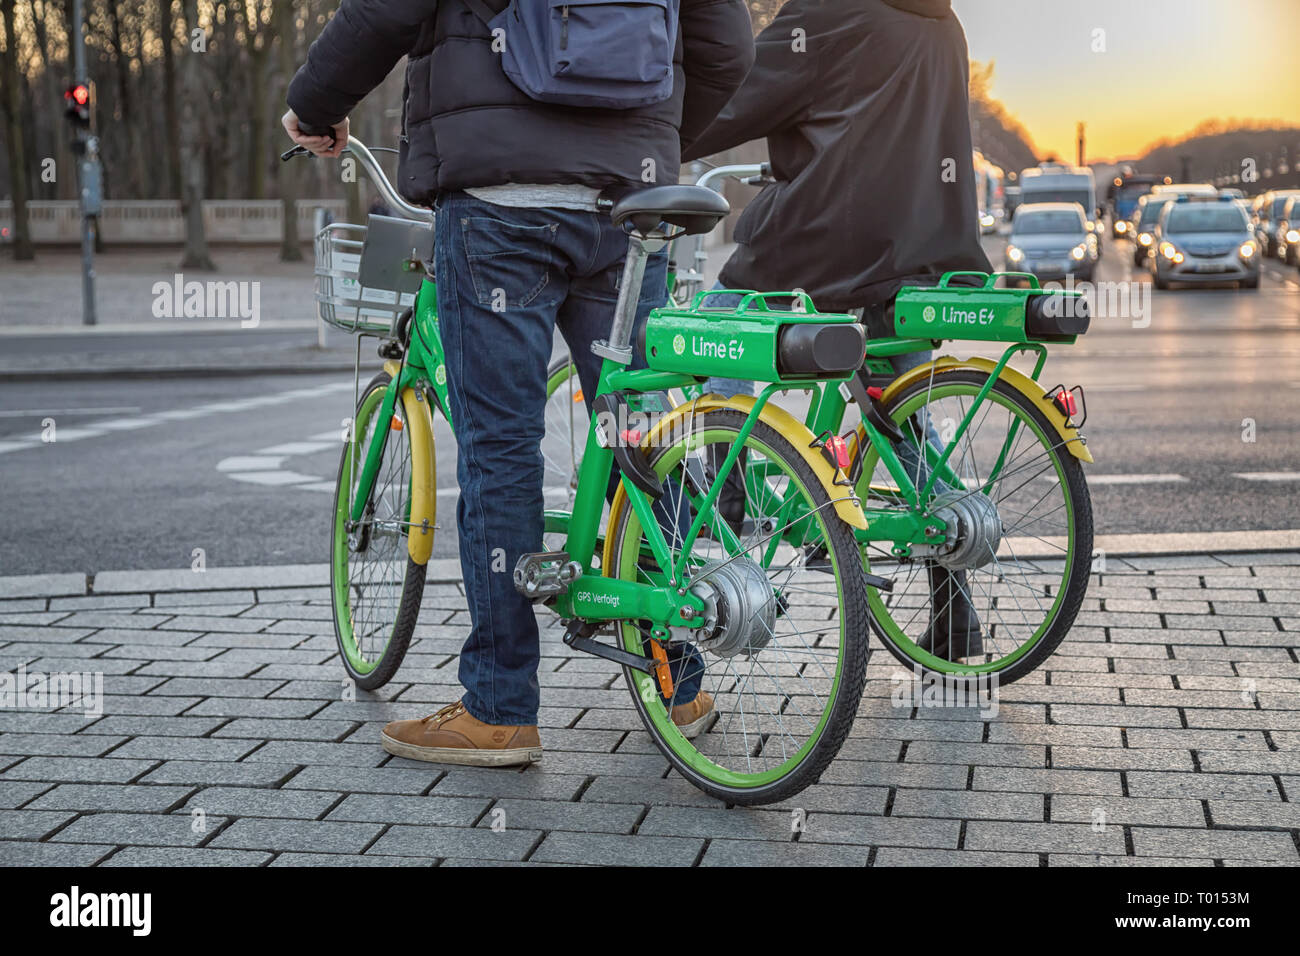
x=611 y=55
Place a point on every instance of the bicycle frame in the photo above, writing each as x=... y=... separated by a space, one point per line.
x=916 y=525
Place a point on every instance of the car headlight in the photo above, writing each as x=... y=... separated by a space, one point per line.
x=1079 y=251
x=1014 y=254
x=1167 y=250
x=1247 y=250
x=1121 y=226
x=1293 y=235
x=1145 y=238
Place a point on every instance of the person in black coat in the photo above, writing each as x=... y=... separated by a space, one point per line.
x=864 y=105
x=521 y=248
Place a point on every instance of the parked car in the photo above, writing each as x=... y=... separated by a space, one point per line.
x=1052 y=240
x=1148 y=213
x=1205 y=240
x=1287 y=234
x=1057 y=182
x=1268 y=210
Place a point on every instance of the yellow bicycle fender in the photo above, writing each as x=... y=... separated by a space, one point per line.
x=424 y=498
x=846 y=504
x=1013 y=377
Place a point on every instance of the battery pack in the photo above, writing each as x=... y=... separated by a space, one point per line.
x=754 y=341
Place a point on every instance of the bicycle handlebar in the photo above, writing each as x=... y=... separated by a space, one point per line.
x=373 y=170
x=752 y=174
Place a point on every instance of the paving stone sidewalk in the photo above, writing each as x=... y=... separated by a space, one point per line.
x=1165 y=730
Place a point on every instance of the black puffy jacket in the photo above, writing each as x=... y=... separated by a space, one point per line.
x=465 y=124
x=864 y=106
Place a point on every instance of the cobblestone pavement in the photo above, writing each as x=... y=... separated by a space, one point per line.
x=1165 y=730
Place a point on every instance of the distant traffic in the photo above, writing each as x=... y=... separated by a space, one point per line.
x=1183 y=234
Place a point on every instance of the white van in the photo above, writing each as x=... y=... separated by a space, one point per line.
x=1057 y=182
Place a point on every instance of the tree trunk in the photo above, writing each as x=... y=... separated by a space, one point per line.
x=125 y=121
x=22 y=239
x=287 y=31
x=65 y=187
x=167 y=30
x=191 y=147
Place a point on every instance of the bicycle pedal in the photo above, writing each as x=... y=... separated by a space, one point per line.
x=545 y=574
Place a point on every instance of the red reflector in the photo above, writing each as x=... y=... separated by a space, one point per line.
x=1067 y=403
x=876 y=392
x=839 y=451
x=631 y=436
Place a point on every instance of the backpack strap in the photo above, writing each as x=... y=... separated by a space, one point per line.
x=480 y=10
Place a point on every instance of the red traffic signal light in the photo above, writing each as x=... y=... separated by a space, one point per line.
x=76 y=100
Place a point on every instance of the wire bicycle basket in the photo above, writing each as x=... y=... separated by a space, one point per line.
x=366 y=276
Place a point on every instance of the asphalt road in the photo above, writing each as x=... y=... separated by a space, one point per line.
x=143 y=472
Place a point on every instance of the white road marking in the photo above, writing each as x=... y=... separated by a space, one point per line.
x=55 y=412
x=97 y=429
x=1133 y=479
x=242 y=463
x=1268 y=475
x=300 y=447
x=270 y=477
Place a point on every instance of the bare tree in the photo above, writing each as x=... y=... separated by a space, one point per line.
x=286 y=29
x=167 y=33
x=14 y=134
x=192 y=139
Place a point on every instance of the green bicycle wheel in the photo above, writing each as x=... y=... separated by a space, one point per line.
x=1019 y=550
x=782 y=650
x=375 y=585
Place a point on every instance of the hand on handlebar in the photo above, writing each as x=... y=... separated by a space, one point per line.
x=325 y=141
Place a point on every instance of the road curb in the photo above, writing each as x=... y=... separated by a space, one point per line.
x=173 y=371
x=73 y=584
x=448 y=570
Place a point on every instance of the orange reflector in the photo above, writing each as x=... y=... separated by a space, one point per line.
x=397 y=424
x=577 y=396
x=662 y=670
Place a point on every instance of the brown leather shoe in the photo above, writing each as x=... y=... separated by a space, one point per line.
x=454 y=735
x=691 y=718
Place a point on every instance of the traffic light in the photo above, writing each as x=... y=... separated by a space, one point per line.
x=76 y=105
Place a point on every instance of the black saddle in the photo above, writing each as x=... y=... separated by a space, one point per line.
x=694 y=209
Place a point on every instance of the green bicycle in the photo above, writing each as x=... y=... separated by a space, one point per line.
x=979 y=524
x=689 y=599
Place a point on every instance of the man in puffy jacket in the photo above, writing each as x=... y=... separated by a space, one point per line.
x=864 y=105
x=520 y=249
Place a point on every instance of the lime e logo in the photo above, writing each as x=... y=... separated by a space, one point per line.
x=679 y=343
x=928 y=313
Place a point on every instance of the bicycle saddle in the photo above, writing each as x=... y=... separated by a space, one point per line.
x=694 y=209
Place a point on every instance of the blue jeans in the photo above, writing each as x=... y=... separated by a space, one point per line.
x=507 y=279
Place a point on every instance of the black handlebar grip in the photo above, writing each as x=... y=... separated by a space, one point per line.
x=309 y=129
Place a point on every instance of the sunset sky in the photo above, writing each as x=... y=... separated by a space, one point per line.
x=1168 y=65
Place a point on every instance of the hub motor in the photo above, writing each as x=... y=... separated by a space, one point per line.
x=974 y=529
x=740 y=607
